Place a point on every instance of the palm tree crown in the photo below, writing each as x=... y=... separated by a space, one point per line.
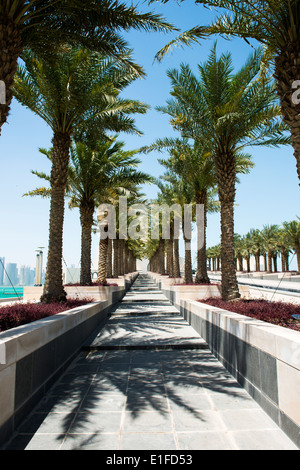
x=44 y=25
x=76 y=94
x=276 y=25
x=230 y=111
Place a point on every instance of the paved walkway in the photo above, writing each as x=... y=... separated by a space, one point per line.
x=147 y=381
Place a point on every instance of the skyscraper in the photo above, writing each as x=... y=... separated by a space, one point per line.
x=26 y=276
x=11 y=275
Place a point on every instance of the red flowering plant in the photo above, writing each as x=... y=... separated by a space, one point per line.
x=18 y=314
x=278 y=313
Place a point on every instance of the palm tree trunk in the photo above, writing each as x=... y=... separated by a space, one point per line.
x=187 y=235
x=283 y=259
x=286 y=73
x=176 y=258
x=265 y=262
x=11 y=48
x=115 y=258
x=248 y=264
x=109 y=273
x=269 y=262
x=170 y=260
x=86 y=220
x=274 y=257
x=102 y=263
x=201 y=275
x=226 y=177
x=188 y=273
x=126 y=253
x=53 y=288
x=170 y=251
x=121 y=257
x=257 y=258
x=161 y=247
x=230 y=290
x=287 y=265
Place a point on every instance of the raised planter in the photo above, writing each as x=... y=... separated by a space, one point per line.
x=175 y=292
x=97 y=293
x=264 y=358
x=33 y=356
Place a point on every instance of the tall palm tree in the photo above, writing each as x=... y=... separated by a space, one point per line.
x=93 y=176
x=178 y=190
x=257 y=246
x=232 y=111
x=127 y=184
x=72 y=91
x=284 y=247
x=43 y=25
x=183 y=161
x=96 y=176
x=276 y=25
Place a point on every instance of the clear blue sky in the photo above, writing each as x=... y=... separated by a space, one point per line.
x=268 y=195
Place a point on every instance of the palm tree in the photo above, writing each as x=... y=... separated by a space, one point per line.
x=214 y=254
x=167 y=195
x=232 y=111
x=178 y=190
x=42 y=26
x=127 y=183
x=292 y=230
x=283 y=244
x=269 y=235
x=276 y=25
x=95 y=176
x=184 y=159
x=257 y=246
x=238 y=250
x=69 y=92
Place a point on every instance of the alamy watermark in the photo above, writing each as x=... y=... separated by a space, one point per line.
x=151 y=221
x=296 y=94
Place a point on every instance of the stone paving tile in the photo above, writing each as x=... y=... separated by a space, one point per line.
x=148 y=399
x=103 y=441
x=208 y=440
x=148 y=441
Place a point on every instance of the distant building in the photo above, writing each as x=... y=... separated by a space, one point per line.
x=11 y=275
x=2 y=264
x=26 y=276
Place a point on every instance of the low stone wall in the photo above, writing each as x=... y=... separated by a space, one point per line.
x=33 y=356
x=197 y=292
x=112 y=293
x=264 y=358
x=175 y=290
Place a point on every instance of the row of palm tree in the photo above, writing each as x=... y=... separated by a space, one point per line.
x=75 y=65
x=221 y=113
x=78 y=95
x=71 y=51
x=96 y=177
x=267 y=243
